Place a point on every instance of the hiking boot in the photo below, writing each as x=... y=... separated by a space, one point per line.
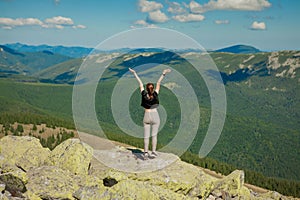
x=154 y=154
x=146 y=156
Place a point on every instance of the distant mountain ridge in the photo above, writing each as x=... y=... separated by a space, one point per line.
x=233 y=67
x=79 y=52
x=239 y=49
x=74 y=52
x=27 y=63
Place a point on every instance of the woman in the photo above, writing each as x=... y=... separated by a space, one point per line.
x=150 y=103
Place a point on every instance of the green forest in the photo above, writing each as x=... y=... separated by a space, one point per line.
x=268 y=153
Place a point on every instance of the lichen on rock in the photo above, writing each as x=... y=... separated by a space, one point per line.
x=33 y=157
x=233 y=184
x=27 y=152
x=52 y=182
x=179 y=177
x=72 y=155
x=13 y=183
x=92 y=192
x=29 y=171
x=143 y=190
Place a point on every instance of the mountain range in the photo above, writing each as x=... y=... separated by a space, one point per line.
x=79 y=52
x=261 y=131
x=74 y=52
x=17 y=58
x=27 y=63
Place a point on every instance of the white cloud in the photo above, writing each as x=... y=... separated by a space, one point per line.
x=244 y=5
x=59 y=20
x=175 y=8
x=195 y=7
x=30 y=21
x=7 y=22
x=148 y=26
x=157 y=17
x=188 y=18
x=57 y=26
x=142 y=23
x=149 y=6
x=20 y=22
x=222 y=21
x=80 y=26
x=258 y=26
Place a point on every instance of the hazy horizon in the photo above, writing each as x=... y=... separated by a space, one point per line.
x=77 y=46
x=268 y=25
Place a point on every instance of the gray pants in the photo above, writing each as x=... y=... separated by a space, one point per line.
x=151 y=119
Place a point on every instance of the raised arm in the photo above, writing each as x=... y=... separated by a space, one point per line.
x=160 y=79
x=138 y=79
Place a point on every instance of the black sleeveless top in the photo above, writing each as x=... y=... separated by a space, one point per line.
x=149 y=103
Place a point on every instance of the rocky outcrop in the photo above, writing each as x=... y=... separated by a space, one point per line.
x=52 y=182
x=22 y=152
x=71 y=155
x=28 y=171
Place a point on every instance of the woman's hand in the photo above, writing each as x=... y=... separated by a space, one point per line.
x=137 y=78
x=166 y=71
x=131 y=70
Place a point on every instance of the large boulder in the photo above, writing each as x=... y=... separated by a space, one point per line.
x=72 y=155
x=232 y=182
x=15 y=146
x=179 y=177
x=51 y=182
x=32 y=157
x=232 y=186
x=228 y=187
x=131 y=189
x=166 y=171
x=24 y=152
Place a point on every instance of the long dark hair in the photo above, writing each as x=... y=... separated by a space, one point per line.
x=150 y=89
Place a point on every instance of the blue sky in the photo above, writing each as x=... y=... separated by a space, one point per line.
x=265 y=24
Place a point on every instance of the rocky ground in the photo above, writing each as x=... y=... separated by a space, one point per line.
x=76 y=170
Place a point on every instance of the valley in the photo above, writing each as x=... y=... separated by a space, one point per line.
x=261 y=131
